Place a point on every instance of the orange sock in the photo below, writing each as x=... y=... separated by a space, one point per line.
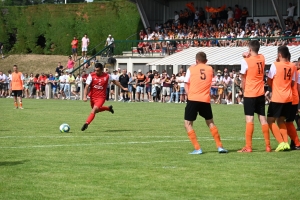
x=193 y=138
x=283 y=132
x=265 y=130
x=214 y=132
x=291 y=131
x=16 y=104
x=249 y=134
x=21 y=104
x=275 y=130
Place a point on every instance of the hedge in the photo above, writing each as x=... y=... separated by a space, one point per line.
x=49 y=29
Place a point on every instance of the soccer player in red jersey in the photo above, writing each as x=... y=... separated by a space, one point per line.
x=97 y=82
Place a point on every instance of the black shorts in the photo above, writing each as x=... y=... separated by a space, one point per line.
x=43 y=87
x=194 y=107
x=78 y=89
x=16 y=93
x=292 y=115
x=254 y=105
x=74 y=50
x=112 y=87
x=279 y=109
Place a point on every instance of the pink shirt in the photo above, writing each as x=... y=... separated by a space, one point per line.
x=70 y=64
x=85 y=42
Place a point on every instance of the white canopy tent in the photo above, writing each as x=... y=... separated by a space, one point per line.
x=222 y=55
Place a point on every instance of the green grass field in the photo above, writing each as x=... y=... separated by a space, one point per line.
x=140 y=152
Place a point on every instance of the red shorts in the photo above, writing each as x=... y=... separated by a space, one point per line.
x=37 y=86
x=97 y=102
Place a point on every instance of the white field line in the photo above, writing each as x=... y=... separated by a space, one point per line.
x=115 y=143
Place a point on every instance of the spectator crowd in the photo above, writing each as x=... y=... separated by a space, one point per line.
x=224 y=27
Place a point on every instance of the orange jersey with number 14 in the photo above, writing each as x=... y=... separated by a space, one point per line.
x=254 y=77
x=282 y=82
x=199 y=77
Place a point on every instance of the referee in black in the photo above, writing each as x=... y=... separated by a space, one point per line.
x=124 y=79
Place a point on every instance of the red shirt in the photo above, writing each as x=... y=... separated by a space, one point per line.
x=98 y=85
x=42 y=80
x=75 y=44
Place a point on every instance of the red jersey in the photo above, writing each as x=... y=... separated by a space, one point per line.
x=98 y=85
x=75 y=44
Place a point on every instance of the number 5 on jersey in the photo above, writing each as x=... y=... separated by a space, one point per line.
x=203 y=75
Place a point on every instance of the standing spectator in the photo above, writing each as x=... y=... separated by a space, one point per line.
x=67 y=89
x=1 y=50
x=31 y=85
x=74 y=45
x=85 y=41
x=149 y=79
x=16 y=86
x=219 y=83
x=290 y=11
x=110 y=41
x=182 y=89
x=78 y=84
x=2 y=84
x=133 y=82
x=175 y=92
x=237 y=13
x=245 y=14
x=166 y=83
x=124 y=80
x=140 y=84
x=54 y=84
x=8 y=81
x=59 y=69
x=115 y=77
x=230 y=15
x=227 y=82
x=156 y=87
x=214 y=89
x=70 y=64
x=83 y=77
x=62 y=82
x=238 y=89
x=37 y=86
x=130 y=86
x=42 y=81
x=26 y=85
x=197 y=86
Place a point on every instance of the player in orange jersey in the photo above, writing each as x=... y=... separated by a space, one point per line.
x=291 y=130
x=197 y=86
x=281 y=78
x=252 y=71
x=16 y=86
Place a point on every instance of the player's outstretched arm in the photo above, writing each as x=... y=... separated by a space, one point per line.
x=117 y=83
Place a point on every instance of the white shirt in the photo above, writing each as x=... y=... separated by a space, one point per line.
x=244 y=66
x=230 y=14
x=85 y=41
x=62 y=79
x=291 y=11
x=110 y=40
x=114 y=77
x=156 y=81
x=181 y=78
x=4 y=78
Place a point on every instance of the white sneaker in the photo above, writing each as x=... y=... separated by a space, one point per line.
x=38 y=98
x=176 y=101
x=241 y=103
x=229 y=103
x=121 y=99
x=169 y=102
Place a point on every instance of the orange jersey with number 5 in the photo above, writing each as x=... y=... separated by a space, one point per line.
x=282 y=82
x=254 y=76
x=199 y=77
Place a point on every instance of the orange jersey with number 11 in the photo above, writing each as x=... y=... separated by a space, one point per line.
x=254 y=77
x=199 y=77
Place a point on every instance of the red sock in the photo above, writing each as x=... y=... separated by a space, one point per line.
x=90 y=118
x=291 y=131
x=21 y=104
x=103 y=108
x=193 y=138
x=249 y=134
x=16 y=104
x=283 y=132
x=265 y=130
x=275 y=130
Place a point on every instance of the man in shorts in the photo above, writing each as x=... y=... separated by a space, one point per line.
x=281 y=78
x=124 y=79
x=74 y=45
x=85 y=41
x=197 y=86
x=97 y=82
x=140 y=85
x=16 y=86
x=252 y=81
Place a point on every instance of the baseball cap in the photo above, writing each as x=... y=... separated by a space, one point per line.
x=219 y=74
x=115 y=70
x=139 y=70
x=267 y=71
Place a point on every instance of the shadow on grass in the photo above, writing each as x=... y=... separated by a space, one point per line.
x=12 y=163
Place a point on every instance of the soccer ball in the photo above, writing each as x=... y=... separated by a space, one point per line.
x=64 y=128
